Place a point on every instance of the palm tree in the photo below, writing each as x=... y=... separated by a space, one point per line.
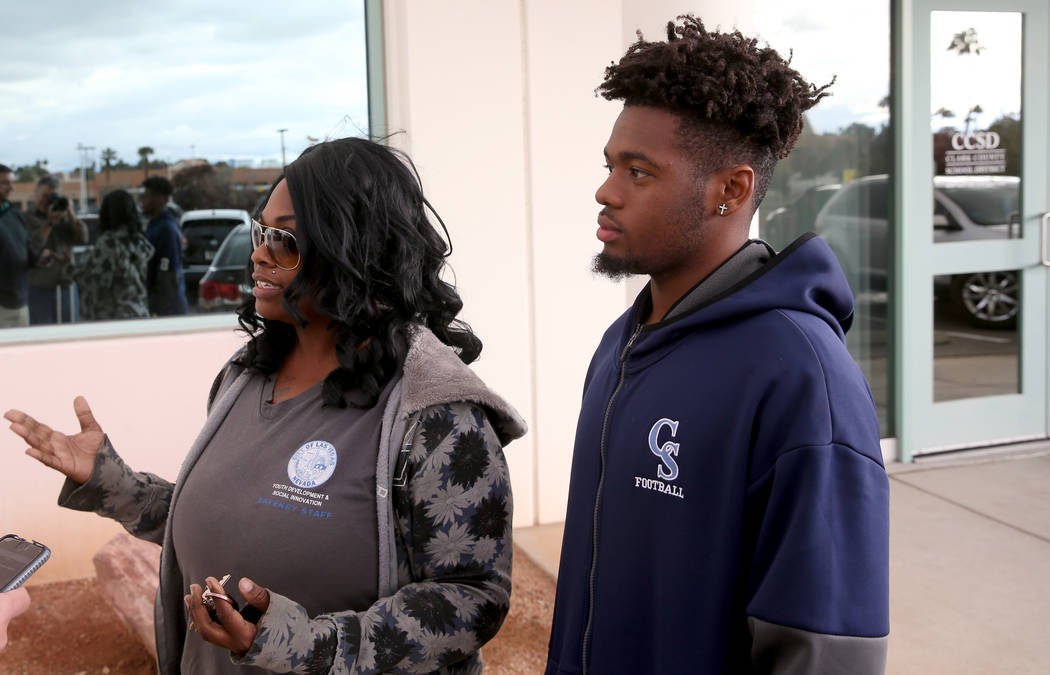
x=109 y=155
x=971 y=116
x=966 y=43
x=144 y=152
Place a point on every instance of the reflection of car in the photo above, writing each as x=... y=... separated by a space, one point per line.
x=204 y=231
x=226 y=281
x=965 y=208
x=788 y=222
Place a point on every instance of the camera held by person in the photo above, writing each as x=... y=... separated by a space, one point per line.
x=63 y=232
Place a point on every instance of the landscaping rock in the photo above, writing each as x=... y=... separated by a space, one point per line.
x=126 y=570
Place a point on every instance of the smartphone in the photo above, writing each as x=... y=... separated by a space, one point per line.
x=19 y=558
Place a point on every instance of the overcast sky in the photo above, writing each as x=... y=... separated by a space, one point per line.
x=826 y=44
x=991 y=79
x=850 y=40
x=214 y=79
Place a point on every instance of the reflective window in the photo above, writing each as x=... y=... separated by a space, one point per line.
x=975 y=113
x=206 y=101
x=836 y=181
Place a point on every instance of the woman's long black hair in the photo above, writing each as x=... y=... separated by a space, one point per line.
x=118 y=213
x=371 y=262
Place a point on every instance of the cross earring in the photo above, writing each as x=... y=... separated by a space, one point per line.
x=722 y=208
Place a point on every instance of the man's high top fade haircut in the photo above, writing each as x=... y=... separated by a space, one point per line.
x=739 y=103
x=159 y=184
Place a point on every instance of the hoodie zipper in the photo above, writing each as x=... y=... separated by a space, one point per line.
x=598 y=498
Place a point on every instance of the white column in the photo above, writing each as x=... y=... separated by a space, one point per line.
x=454 y=79
x=497 y=103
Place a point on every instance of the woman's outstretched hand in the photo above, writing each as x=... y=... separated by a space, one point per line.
x=72 y=455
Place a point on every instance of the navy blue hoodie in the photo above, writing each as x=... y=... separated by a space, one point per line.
x=728 y=508
x=165 y=280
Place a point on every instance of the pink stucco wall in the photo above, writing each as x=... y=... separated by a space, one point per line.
x=147 y=392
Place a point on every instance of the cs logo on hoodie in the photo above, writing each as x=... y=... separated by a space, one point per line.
x=667 y=451
x=667 y=470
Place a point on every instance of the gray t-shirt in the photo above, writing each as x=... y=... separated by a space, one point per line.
x=284 y=494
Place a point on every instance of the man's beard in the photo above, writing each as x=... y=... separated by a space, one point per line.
x=614 y=268
x=691 y=227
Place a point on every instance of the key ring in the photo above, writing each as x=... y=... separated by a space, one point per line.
x=208 y=596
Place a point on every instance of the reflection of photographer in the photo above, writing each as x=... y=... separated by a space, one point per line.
x=53 y=225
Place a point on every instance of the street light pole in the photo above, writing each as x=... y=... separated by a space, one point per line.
x=281 y=132
x=84 y=154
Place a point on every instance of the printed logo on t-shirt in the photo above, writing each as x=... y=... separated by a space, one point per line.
x=667 y=469
x=312 y=464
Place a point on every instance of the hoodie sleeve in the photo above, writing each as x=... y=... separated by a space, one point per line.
x=454 y=522
x=819 y=584
x=138 y=501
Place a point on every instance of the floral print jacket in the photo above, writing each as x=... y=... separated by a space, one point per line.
x=112 y=278
x=450 y=503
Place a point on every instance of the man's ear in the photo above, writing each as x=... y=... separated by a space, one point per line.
x=734 y=188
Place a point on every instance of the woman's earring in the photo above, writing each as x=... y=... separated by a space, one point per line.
x=273 y=271
x=722 y=208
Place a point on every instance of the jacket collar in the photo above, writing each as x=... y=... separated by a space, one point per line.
x=433 y=374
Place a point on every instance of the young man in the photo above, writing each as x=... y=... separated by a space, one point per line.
x=728 y=507
x=164 y=276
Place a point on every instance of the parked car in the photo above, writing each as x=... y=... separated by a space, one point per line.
x=790 y=221
x=226 y=281
x=203 y=231
x=965 y=208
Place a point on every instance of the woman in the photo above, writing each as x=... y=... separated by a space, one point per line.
x=112 y=278
x=351 y=399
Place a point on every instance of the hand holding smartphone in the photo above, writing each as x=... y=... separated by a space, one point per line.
x=19 y=558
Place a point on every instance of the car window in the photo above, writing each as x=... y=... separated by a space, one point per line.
x=203 y=238
x=210 y=226
x=867 y=198
x=991 y=204
x=235 y=250
x=874 y=199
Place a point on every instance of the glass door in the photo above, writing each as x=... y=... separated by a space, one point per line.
x=971 y=190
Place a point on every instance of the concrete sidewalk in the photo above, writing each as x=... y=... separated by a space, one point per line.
x=969 y=562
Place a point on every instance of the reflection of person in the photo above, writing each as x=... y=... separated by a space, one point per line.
x=112 y=277
x=16 y=257
x=728 y=507
x=53 y=225
x=354 y=357
x=164 y=279
x=12 y=603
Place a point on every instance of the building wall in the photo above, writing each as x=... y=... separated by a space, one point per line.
x=510 y=151
x=148 y=394
x=240 y=178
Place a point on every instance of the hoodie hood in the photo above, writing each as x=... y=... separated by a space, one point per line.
x=804 y=277
x=434 y=375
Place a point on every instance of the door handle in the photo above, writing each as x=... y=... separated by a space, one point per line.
x=1042 y=240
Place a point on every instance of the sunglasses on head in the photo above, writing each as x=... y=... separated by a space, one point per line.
x=280 y=244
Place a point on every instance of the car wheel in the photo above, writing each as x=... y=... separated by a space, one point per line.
x=987 y=299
